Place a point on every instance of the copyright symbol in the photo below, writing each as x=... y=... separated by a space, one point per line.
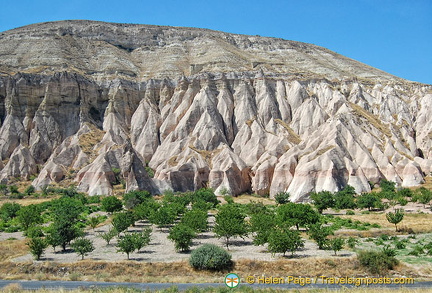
x=250 y=279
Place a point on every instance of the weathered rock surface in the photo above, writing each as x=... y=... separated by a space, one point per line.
x=105 y=103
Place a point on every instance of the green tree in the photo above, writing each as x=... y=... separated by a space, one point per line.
x=29 y=215
x=297 y=214
x=164 y=216
x=9 y=210
x=122 y=221
x=126 y=244
x=134 y=198
x=13 y=189
x=111 y=204
x=182 y=236
x=141 y=239
x=424 y=196
x=196 y=219
x=109 y=235
x=37 y=246
x=145 y=209
x=282 y=198
x=82 y=246
x=336 y=244
x=261 y=224
x=282 y=240
x=206 y=195
x=320 y=233
x=387 y=186
x=368 y=200
x=65 y=212
x=395 y=218
x=344 y=199
x=230 y=222
x=323 y=200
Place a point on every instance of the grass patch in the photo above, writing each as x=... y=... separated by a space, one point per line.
x=10 y=249
x=372 y=119
x=292 y=137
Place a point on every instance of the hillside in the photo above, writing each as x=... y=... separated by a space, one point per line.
x=103 y=104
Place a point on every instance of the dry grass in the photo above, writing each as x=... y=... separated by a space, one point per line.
x=10 y=249
x=181 y=272
x=293 y=137
x=245 y=199
x=87 y=141
x=420 y=223
x=372 y=119
x=206 y=155
x=27 y=201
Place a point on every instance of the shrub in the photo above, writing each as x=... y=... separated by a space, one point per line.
x=182 y=236
x=395 y=218
x=352 y=242
x=350 y=213
x=82 y=246
x=111 y=204
x=122 y=221
x=282 y=240
x=282 y=197
x=323 y=200
x=207 y=195
x=29 y=190
x=336 y=244
x=109 y=235
x=377 y=262
x=210 y=257
x=37 y=246
x=196 y=219
x=9 y=211
x=134 y=198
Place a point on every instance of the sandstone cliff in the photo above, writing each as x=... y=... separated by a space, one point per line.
x=101 y=103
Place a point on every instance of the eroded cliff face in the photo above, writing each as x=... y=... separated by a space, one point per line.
x=249 y=130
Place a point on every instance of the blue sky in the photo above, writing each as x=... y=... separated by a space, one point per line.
x=392 y=35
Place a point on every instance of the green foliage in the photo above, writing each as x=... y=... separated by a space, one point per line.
x=134 y=198
x=82 y=246
x=336 y=244
x=206 y=195
x=196 y=219
x=111 y=204
x=230 y=222
x=377 y=262
x=320 y=233
x=424 y=196
x=29 y=190
x=352 y=242
x=122 y=221
x=417 y=250
x=395 y=218
x=29 y=215
x=282 y=198
x=262 y=224
x=164 y=216
x=182 y=236
x=282 y=240
x=9 y=211
x=344 y=199
x=34 y=232
x=150 y=171
x=297 y=214
x=141 y=239
x=323 y=200
x=368 y=200
x=350 y=213
x=126 y=244
x=37 y=246
x=387 y=186
x=404 y=192
x=109 y=235
x=229 y=199
x=13 y=189
x=210 y=257
x=145 y=209
x=94 y=221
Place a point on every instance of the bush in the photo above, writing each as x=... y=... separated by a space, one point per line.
x=377 y=262
x=282 y=197
x=111 y=204
x=182 y=236
x=210 y=257
x=82 y=246
x=350 y=213
x=37 y=247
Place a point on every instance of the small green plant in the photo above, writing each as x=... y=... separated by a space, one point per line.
x=417 y=250
x=210 y=257
x=82 y=246
x=111 y=204
x=37 y=246
x=182 y=236
x=395 y=218
x=109 y=235
x=399 y=245
x=377 y=262
x=126 y=244
x=336 y=244
x=29 y=190
x=282 y=197
x=350 y=213
x=352 y=242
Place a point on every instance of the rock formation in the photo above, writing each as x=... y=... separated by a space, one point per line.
x=103 y=103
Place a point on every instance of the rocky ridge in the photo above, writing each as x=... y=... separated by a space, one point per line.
x=103 y=103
